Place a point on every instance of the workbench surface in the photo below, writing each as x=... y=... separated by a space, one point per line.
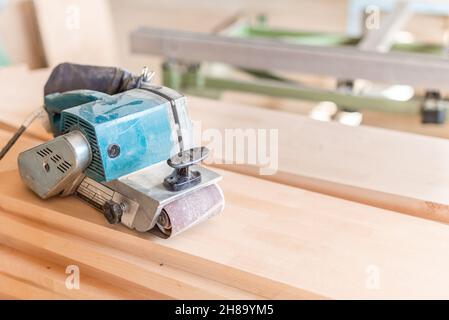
x=273 y=240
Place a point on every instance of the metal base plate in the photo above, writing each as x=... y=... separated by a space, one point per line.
x=146 y=188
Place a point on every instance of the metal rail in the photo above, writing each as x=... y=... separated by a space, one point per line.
x=417 y=70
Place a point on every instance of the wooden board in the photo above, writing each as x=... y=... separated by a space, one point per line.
x=19 y=35
x=143 y=278
x=22 y=93
x=78 y=31
x=285 y=243
x=394 y=170
x=25 y=276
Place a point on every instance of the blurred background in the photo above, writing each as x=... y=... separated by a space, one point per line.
x=42 y=33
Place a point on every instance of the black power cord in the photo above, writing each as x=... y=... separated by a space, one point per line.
x=30 y=119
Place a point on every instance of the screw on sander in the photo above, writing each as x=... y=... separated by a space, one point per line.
x=112 y=211
x=182 y=177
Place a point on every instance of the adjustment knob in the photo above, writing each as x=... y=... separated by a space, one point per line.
x=112 y=211
x=183 y=178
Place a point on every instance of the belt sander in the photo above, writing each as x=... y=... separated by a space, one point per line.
x=126 y=147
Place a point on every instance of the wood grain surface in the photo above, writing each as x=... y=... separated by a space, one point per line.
x=272 y=241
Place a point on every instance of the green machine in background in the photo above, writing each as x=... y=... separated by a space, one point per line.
x=193 y=79
x=4 y=59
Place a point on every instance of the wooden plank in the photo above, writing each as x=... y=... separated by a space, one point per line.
x=393 y=170
x=79 y=31
x=326 y=245
x=17 y=289
x=286 y=242
x=52 y=277
x=22 y=93
x=283 y=240
x=19 y=33
x=121 y=268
